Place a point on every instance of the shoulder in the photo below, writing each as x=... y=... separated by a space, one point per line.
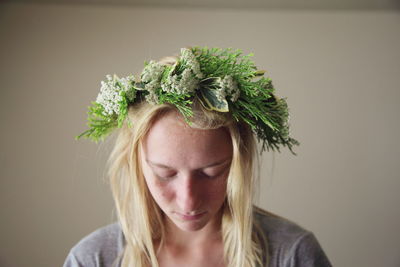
x=288 y=243
x=276 y=228
x=98 y=249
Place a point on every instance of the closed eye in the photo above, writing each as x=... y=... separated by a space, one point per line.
x=215 y=174
x=210 y=176
x=164 y=177
x=212 y=171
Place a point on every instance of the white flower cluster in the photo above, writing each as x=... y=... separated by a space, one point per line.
x=229 y=86
x=110 y=93
x=127 y=84
x=181 y=84
x=151 y=76
x=188 y=80
x=191 y=62
x=152 y=72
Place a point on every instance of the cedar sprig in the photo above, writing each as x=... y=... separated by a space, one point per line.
x=99 y=124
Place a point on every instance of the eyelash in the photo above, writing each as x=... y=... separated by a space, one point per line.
x=166 y=178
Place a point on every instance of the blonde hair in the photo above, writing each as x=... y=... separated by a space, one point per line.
x=140 y=217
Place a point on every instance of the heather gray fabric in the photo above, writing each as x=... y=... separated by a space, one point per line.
x=289 y=245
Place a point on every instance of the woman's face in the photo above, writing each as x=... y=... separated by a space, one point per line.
x=186 y=170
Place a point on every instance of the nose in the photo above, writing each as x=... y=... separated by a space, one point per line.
x=188 y=194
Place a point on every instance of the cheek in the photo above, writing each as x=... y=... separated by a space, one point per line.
x=216 y=192
x=160 y=192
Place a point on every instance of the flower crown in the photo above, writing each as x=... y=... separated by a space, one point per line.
x=223 y=80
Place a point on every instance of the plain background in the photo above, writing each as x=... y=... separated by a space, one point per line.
x=339 y=70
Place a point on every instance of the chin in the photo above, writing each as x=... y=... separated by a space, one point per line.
x=191 y=225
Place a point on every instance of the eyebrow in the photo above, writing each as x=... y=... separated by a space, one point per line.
x=220 y=162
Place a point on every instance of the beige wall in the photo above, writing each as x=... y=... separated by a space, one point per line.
x=339 y=70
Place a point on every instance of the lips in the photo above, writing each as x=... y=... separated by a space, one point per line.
x=191 y=217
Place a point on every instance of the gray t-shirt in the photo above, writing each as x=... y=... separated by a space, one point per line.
x=289 y=245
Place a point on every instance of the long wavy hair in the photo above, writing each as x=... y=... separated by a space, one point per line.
x=140 y=217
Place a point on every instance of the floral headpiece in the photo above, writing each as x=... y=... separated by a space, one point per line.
x=223 y=80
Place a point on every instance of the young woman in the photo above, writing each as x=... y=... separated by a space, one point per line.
x=182 y=169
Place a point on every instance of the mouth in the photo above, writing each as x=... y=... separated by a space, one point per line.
x=191 y=217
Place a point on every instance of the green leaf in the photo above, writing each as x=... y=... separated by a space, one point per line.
x=139 y=86
x=210 y=100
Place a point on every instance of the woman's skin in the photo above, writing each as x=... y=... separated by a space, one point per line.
x=186 y=171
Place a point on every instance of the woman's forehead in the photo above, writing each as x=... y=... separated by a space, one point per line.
x=172 y=127
x=171 y=141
